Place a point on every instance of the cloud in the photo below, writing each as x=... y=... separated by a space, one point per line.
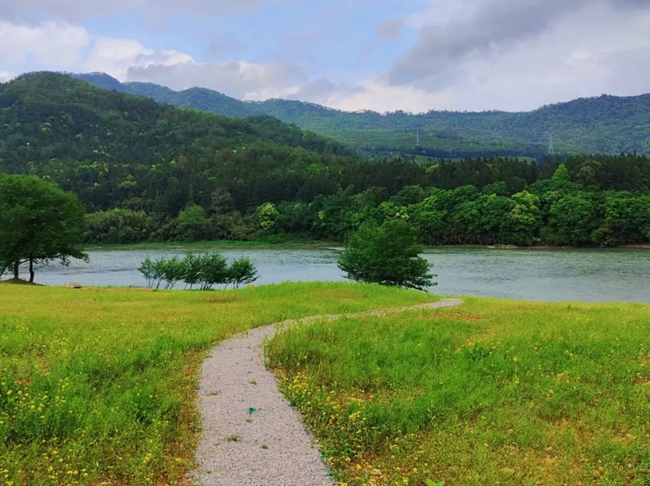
x=238 y=79
x=324 y=92
x=52 y=45
x=484 y=29
x=117 y=56
x=389 y=29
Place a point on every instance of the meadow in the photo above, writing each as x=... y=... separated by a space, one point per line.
x=98 y=386
x=490 y=393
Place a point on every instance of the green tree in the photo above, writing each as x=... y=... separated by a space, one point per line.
x=192 y=223
x=214 y=270
x=242 y=272
x=387 y=255
x=39 y=222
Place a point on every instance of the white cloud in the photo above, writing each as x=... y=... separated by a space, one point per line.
x=52 y=45
x=117 y=56
x=238 y=79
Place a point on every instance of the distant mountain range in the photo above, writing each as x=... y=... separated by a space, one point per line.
x=605 y=124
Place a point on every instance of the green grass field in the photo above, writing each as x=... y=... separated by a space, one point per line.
x=490 y=393
x=97 y=386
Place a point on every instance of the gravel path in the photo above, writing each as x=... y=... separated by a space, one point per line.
x=251 y=436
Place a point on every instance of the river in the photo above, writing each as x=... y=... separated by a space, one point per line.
x=539 y=275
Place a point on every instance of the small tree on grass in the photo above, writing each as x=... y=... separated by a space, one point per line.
x=192 y=268
x=207 y=270
x=214 y=270
x=387 y=255
x=242 y=272
x=39 y=222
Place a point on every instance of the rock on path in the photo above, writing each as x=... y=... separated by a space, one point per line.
x=251 y=436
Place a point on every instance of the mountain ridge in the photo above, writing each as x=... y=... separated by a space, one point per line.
x=606 y=124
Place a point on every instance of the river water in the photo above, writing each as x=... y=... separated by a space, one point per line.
x=540 y=275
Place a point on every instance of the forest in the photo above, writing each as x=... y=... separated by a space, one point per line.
x=151 y=172
x=605 y=124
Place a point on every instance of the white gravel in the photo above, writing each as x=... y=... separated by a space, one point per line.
x=251 y=436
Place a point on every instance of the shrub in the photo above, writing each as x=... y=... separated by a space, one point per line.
x=207 y=270
x=387 y=255
x=214 y=270
x=242 y=272
x=192 y=267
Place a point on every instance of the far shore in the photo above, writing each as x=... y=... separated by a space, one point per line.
x=313 y=244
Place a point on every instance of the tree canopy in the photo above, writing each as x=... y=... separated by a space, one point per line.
x=387 y=255
x=151 y=172
x=38 y=222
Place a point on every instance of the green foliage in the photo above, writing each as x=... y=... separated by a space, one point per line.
x=493 y=392
x=242 y=272
x=207 y=270
x=192 y=223
x=38 y=222
x=214 y=270
x=387 y=255
x=118 y=226
x=267 y=214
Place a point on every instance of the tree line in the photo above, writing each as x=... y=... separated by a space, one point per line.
x=150 y=172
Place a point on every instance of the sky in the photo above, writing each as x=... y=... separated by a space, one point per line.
x=382 y=55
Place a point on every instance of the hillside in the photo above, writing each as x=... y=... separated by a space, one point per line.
x=607 y=124
x=115 y=149
x=153 y=172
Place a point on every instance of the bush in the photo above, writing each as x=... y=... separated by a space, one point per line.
x=387 y=255
x=208 y=270
x=242 y=272
x=118 y=226
x=214 y=270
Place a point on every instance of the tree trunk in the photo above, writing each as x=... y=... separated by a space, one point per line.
x=16 y=269
x=31 y=269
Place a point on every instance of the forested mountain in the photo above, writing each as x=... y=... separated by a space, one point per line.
x=110 y=147
x=152 y=172
x=606 y=125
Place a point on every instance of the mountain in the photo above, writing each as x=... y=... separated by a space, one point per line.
x=114 y=149
x=605 y=124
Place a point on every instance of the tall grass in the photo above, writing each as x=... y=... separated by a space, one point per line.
x=494 y=392
x=98 y=386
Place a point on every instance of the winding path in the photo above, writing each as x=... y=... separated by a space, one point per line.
x=251 y=436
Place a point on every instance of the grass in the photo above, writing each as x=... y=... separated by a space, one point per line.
x=97 y=386
x=493 y=392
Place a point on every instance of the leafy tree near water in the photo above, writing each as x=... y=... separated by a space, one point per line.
x=207 y=270
x=387 y=255
x=39 y=222
x=241 y=272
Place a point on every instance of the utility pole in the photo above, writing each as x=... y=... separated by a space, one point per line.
x=551 y=146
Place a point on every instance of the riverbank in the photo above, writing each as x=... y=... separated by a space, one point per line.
x=307 y=244
x=214 y=245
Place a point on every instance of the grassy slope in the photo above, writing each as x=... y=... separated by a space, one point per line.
x=493 y=392
x=97 y=386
